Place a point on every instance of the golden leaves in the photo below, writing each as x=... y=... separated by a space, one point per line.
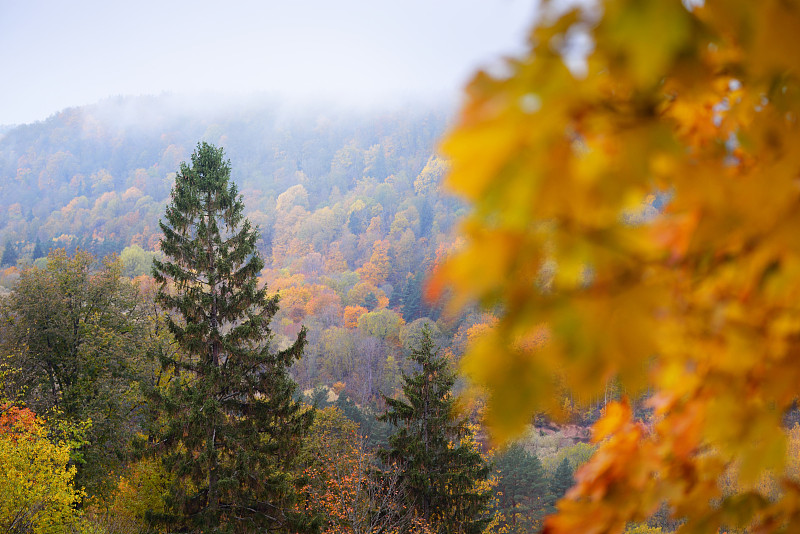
x=662 y=30
x=641 y=223
x=36 y=481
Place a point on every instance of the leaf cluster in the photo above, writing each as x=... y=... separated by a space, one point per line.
x=635 y=219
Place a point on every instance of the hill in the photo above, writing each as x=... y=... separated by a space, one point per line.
x=98 y=176
x=348 y=203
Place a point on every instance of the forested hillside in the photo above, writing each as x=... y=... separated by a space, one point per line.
x=99 y=176
x=351 y=222
x=630 y=234
x=349 y=207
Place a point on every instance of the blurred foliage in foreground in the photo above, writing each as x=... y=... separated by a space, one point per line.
x=568 y=160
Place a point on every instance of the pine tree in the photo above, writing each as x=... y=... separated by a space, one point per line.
x=232 y=426
x=441 y=468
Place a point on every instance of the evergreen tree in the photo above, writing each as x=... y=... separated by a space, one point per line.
x=371 y=301
x=562 y=480
x=38 y=250
x=412 y=302
x=231 y=424
x=522 y=488
x=425 y=211
x=374 y=431
x=411 y=297
x=9 y=254
x=441 y=467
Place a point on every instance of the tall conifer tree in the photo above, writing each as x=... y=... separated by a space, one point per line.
x=562 y=480
x=522 y=489
x=231 y=425
x=442 y=470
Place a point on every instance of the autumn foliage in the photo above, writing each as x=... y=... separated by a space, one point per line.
x=345 y=484
x=635 y=183
x=36 y=483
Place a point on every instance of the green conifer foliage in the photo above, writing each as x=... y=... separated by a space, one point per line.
x=38 y=250
x=10 y=256
x=231 y=427
x=522 y=489
x=562 y=480
x=411 y=298
x=442 y=470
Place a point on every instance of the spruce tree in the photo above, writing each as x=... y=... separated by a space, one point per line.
x=522 y=488
x=442 y=469
x=38 y=250
x=562 y=480
x=231 y=426
x=411 y=297
x=9 y=254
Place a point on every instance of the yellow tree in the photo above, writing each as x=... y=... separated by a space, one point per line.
x=636 y=212
x=352 y=314
x=378 y=268
x=36 y=481
x=334 y=261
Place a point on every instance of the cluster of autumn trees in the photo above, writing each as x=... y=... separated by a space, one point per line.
x=351 y=216
x=99 y=176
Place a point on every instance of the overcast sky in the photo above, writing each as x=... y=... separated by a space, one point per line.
x=58 y=53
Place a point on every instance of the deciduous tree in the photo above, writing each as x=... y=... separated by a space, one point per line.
x=36 y=480
x=377 y=269
x=345 y=482
x=75 y=333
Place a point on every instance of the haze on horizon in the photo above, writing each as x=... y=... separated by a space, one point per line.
x=59 y=54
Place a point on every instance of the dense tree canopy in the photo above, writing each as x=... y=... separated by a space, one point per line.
x=75 y=335
x=304 y=176
x=36 y=481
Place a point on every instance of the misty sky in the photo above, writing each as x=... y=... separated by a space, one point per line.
x=55 y=54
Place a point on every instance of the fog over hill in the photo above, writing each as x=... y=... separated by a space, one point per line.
x=349 y=205
x=351 y=51
x=99 y=176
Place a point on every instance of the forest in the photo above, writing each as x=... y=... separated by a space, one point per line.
x=569 y=306
x=351 y=220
